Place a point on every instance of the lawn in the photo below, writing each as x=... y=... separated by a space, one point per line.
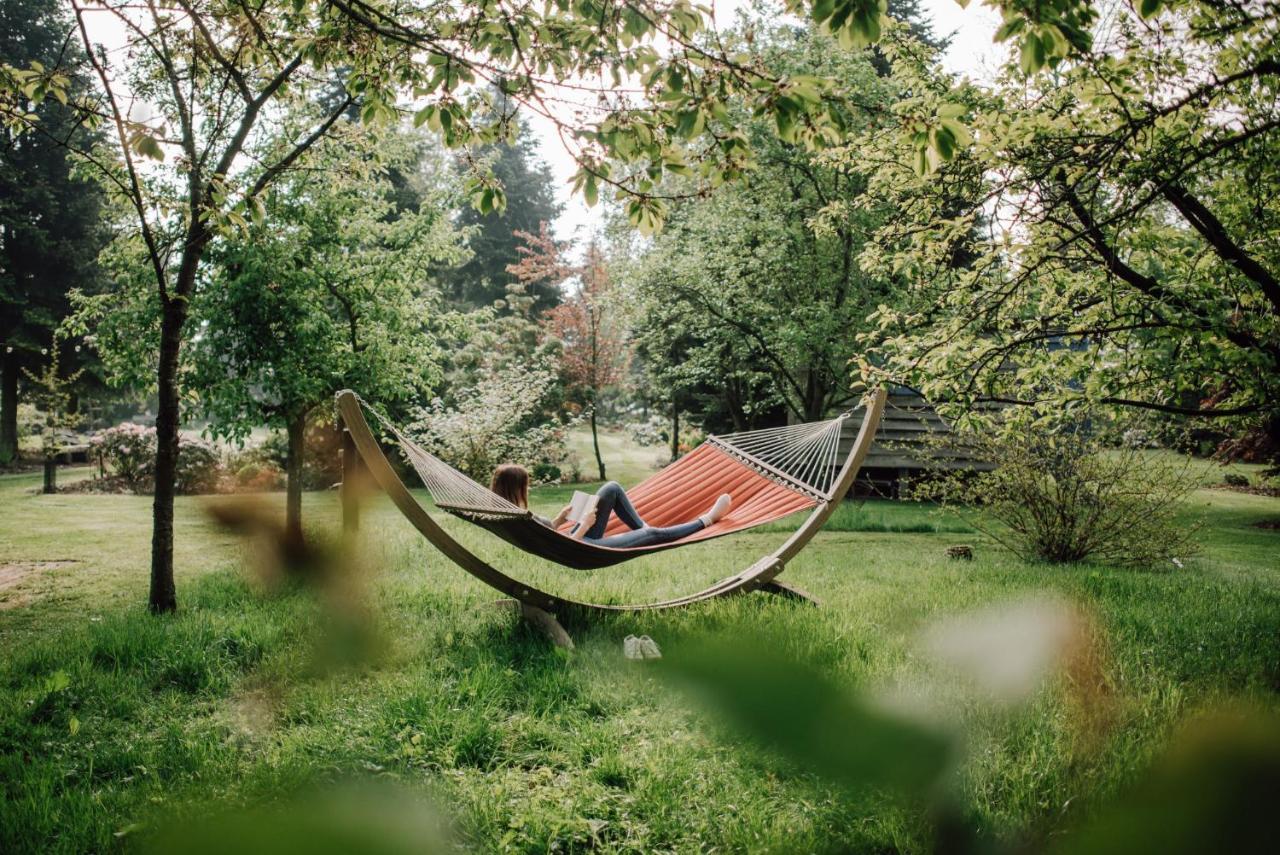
x=115 y=724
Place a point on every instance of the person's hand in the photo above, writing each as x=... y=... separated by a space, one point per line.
x=562 y=516
x=584 y=524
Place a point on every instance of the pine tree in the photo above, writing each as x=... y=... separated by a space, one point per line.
x=495 y=243
x=50 y=230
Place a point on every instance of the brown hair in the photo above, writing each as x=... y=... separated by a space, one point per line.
x=511 y=482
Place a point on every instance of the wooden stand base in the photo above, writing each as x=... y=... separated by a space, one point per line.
x=541 y=620
x=791 y=592
x=546 y=623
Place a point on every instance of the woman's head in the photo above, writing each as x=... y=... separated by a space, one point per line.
x=511 y=482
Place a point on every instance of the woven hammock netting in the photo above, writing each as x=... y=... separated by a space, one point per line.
x=769 y=474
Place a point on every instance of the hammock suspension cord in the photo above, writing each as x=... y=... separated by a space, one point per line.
x=450 y=489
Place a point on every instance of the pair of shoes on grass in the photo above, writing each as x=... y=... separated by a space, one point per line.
x=643 y=647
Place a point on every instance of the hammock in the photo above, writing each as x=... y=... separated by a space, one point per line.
x=769 y=473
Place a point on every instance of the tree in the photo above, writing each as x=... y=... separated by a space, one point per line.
x=195 y=84
x=49 y=218
x=1133 y=258
x=587 y=323
x=53 y=393
x=760 y=277
x=494 y=238
x=331 y=290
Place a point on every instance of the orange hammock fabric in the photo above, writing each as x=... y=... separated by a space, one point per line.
x=686 y=489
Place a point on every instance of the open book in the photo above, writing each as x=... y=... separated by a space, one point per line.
x=581 y=504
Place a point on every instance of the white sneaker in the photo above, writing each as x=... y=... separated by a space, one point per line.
x=719 y=509
x=631 y=648
x=649 y=648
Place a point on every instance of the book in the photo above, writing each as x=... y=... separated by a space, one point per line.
x=581 y=505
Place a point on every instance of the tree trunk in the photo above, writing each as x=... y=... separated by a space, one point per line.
x=675 y=433
x=163 y=596
x=297 y=429
x=1272 y=453
x=815 y=403
x=9 y=409
x=595 y=442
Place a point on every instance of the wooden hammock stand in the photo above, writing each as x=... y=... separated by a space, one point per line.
x=361 y=449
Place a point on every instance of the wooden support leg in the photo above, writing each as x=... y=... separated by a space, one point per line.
x=542 y=620
x=350 y=482
x=791 y=592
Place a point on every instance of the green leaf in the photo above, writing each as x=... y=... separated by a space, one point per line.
x=689 y=124
x=943 y=143
x=786 y=706
x=786 y=123
x=1149 y=8
x=958 y=131
x=1009 y=29
x=920 y=162
x=147 y=146
x=1032 y=59
x=822 y=10
x=590 y=192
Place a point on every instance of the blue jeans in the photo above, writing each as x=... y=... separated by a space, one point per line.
x=613 y=500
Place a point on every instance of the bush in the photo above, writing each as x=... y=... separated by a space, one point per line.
x=199 y=467
x=322 y=456
x=259 y=476
x=130 y=451
x=504 y=418
x=653 y=431
x=1063 y=497
x=546 y=473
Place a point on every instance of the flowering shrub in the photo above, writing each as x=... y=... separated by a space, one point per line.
x=502 y=419
x=653 y=431
x=199 y=466
x=130 y=451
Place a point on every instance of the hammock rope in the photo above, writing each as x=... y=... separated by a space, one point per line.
x=450 y=489
x=803 y=456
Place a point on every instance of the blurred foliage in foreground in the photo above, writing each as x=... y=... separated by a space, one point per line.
x=1210 y=790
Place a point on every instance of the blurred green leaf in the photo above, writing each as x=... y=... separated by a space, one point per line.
x=1214 y=791
x=788 y=707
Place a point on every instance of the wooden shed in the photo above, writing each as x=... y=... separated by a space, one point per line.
x=906 y=446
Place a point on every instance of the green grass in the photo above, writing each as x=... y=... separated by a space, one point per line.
x=626 y=461
x=228 y=703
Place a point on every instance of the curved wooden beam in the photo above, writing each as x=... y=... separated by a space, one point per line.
x=754 y=577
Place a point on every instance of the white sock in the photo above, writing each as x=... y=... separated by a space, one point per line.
x=719 y=509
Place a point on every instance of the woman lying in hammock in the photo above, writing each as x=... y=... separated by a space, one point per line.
x=511 y=482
